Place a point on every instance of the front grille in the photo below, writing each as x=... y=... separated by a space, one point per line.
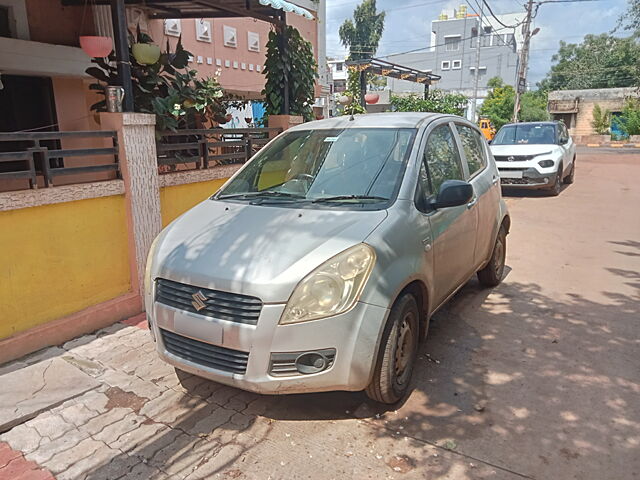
x=520 y=181
x=221 y=305
x=204 y=353
x=513 y=158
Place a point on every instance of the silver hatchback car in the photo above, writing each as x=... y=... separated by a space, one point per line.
x=317 y=266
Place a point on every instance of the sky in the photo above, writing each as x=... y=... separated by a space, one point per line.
x=408 y=25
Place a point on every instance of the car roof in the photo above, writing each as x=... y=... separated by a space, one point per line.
x=552 y=122
x=376 y=120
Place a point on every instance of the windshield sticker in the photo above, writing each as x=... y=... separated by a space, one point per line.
x=331 y=139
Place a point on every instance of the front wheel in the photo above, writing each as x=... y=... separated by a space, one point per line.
x=491 y=274
x=394 y=365
x=571 y=177
x=556 y=188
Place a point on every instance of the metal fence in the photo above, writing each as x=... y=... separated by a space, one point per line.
x=26 y=155
x=205 y=148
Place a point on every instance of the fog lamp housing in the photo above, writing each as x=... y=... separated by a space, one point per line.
x=545 y=163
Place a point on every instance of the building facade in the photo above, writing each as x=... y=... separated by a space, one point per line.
x=452 y=54
x=575 y=108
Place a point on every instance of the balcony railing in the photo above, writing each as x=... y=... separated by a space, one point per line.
x=205 y=148
x=27 y=155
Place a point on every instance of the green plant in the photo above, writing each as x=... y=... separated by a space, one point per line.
x=601 y=120
x=178 y=98
x=438 y=101
x=629 y=121
x=498 y=105
x=292 y=58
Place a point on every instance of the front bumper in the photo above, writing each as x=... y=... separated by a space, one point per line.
x=531 y=178
x=354 y=335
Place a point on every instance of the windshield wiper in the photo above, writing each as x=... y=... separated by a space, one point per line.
x=268 y=193
x=339 y=198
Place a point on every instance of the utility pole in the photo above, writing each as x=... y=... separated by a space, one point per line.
x=521 y=85
x=477 y=70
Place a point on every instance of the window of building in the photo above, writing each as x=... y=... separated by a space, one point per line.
x=456 y=65
x=235 y=64
x=452 y=43
x=173 y=27
x=445 y=65
x=474 y=37
x=203 y=30
x=483 y=71
x=253 y=40
x=230 y=36
x=338 y=67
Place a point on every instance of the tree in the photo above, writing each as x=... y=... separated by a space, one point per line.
x=629 y=121
x=438 y=101
x=601 y=120
x=630 y=20
x=600 y=61
x=498 y=105
x=361 y=36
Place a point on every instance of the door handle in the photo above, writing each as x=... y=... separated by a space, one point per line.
x=472 y=203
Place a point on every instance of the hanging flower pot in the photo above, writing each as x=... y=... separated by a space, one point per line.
x=96 y=47
x=344 y=99
x=371 y=98
x=145 y=53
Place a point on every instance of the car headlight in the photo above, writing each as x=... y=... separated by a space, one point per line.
x=545 y=163
x=332 y=288
x=147 y=268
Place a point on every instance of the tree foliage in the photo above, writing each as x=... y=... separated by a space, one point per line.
x=600 y=61
x=362 y=35
x=601 y=120
x=438 y=102
x=630 y=20
x=498 y=105
x=629 y=121
x=296 y=62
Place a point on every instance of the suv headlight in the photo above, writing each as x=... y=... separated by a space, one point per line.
x=332 y=288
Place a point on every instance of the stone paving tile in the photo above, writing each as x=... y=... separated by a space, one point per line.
x=13 y=466
x=23 y=438
x=64 y=459
x=118 y=466
x=100 y=422
x=48 y=449
x=51 y=425
x=82 y=468
x=111 y=433
x=130 y=383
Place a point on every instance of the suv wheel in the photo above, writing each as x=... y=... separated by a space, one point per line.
x=394 y=365
x=491 y=274
x=556 y=188
x=568 y=180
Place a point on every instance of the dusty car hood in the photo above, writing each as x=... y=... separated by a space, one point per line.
x=522 y=149
x=255 y=250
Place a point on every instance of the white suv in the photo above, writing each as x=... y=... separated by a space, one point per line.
x=535 y=155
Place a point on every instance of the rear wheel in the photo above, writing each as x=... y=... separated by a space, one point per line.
x=570 y=178
x=394 y=365
x=491 y=274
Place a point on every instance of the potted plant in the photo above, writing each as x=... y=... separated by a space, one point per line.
x=96 y=46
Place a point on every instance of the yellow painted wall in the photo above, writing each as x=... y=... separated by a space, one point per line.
x=58 y=259
x=177 y=199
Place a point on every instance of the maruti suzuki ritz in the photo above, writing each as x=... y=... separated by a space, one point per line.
x=317 y=266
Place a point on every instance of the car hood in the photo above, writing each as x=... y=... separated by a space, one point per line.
x=523 y=149
x=262 y=251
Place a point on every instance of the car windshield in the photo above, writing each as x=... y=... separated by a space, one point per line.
x=526 y=134
x=348 y=166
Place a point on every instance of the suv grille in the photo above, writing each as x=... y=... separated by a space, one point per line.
x=204 y=353
x=513 y=158
x=221 y=305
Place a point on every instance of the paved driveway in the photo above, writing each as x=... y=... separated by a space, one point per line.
x=539 y=378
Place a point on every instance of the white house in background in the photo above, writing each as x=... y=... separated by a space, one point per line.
x=338 y=74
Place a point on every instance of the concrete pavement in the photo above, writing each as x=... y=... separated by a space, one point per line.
x=538 y=378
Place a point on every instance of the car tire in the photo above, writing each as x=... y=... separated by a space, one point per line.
x=491 y=274
x=556 y=188
x=397 y=353
x=568 y=180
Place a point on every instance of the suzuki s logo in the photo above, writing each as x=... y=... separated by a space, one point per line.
x=198 y=301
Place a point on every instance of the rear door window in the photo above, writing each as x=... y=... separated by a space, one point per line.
x=473 y=148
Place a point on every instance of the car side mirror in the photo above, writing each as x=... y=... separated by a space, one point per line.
x=564 y=141
x=453 y=193
x=489 y=141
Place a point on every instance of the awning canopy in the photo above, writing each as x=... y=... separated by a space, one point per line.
x=388 y=69
x=266 y=10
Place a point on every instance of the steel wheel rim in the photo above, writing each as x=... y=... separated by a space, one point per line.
x=404 y=349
